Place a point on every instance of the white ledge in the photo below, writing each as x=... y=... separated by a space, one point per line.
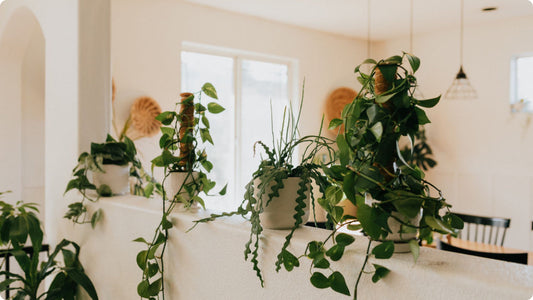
x=208 y=262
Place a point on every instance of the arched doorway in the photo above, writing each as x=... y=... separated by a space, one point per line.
x=22 y=108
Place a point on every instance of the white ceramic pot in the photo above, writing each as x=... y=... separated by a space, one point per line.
x=401 y=240
x=280 y=211
x=175 y=181
x=116 y=177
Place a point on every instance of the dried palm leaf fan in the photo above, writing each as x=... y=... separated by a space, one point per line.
x=336 y=102
x=142 y=118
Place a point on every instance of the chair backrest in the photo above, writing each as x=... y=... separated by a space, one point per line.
x=519 y=257
x=484 y=229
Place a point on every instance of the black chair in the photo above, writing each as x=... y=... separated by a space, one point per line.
x=520 y=257
x=481 y=225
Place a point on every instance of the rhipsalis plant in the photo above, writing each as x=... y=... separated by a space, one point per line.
x=183 y=134
x=112 y=152
x=372 y=167
x=268 y=181
x=18 y=225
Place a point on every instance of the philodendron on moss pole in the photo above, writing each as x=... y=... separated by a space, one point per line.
x=390 y=194
x=277 y=196
x=183 y=134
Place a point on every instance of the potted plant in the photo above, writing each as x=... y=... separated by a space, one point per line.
x=395 y=208
x=19 y=224
x=182 y=158
x=110 y=164
x=278 y=195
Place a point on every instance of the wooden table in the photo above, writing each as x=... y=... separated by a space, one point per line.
x=482 y=247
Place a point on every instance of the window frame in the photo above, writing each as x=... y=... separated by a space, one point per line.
x=513 y=91
x=238 y=56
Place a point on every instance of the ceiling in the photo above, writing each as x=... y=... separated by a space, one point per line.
x=389 y=18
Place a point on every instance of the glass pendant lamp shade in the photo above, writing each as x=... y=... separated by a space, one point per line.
x=461 y=87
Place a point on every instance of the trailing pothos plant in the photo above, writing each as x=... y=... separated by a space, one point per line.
x=183 y=134
x=18 y=224
x=268 y=180
x=111 y=152
x=371 y=166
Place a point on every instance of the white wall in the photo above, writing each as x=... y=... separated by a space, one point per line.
x=482 y=149
x=146 y=42
x=32 y=121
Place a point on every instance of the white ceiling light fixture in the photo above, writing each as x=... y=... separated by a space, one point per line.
x=461 y=87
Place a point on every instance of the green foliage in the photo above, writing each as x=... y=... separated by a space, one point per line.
x=371 y=164
x=151 y=260
x=18 y=225
x=268 y=180
x=111 y=152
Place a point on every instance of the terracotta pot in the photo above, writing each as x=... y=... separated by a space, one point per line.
x=278 y=214
x=116 y=177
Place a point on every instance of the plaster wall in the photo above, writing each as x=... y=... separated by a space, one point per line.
x=482 y=149
x=147 y=38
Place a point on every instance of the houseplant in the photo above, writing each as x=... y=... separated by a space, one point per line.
x=392 y=197
x=277 y=196
x=17 y=224
x=109 y=164
x=183 y=159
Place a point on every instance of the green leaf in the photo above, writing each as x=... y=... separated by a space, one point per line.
x=414 y=62
x=409 y=207
x=289 y=260
x=377 y=131
x=152 y=270
x=81 y=278
x=209 y=90
x=344 y=239
x=335 y=252
x=455 y=221
x=348 y=184
x=166 y=117
x=415 y=249
x=208 y=166
x=148 y=190
x=384 y=250
x=199 y=201
x=421 y=116
x=380 y=272
x=338 y=283
x=437 y=224
x=142 y=289
x=384 y=98
x=97 y=216
x=166 y=224
x=205 y=121
x=429 y=102
x=223 y=190
x=365 y=216
x=141 y=259
x=320 y=281
x=215 y=108
x=335 y=123
x=141 y=240
x=321 y=263
x=344 y=150
x=396 y=59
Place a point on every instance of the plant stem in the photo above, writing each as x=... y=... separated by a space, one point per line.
x=362 y=269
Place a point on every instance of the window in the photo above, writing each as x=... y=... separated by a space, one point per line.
x=247 y=85
x=522 y=83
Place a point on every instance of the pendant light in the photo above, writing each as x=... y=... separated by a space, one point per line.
x=461 y=87
x=417 y=94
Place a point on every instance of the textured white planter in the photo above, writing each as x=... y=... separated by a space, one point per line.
x=401 y=240
x=116 y=177
x=280 y=211
x=174 y=183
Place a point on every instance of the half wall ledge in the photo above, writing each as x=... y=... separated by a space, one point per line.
x=208 y=262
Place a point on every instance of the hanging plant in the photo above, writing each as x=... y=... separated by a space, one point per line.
x=266 y=193
x=392 y=197
x=183 y=134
